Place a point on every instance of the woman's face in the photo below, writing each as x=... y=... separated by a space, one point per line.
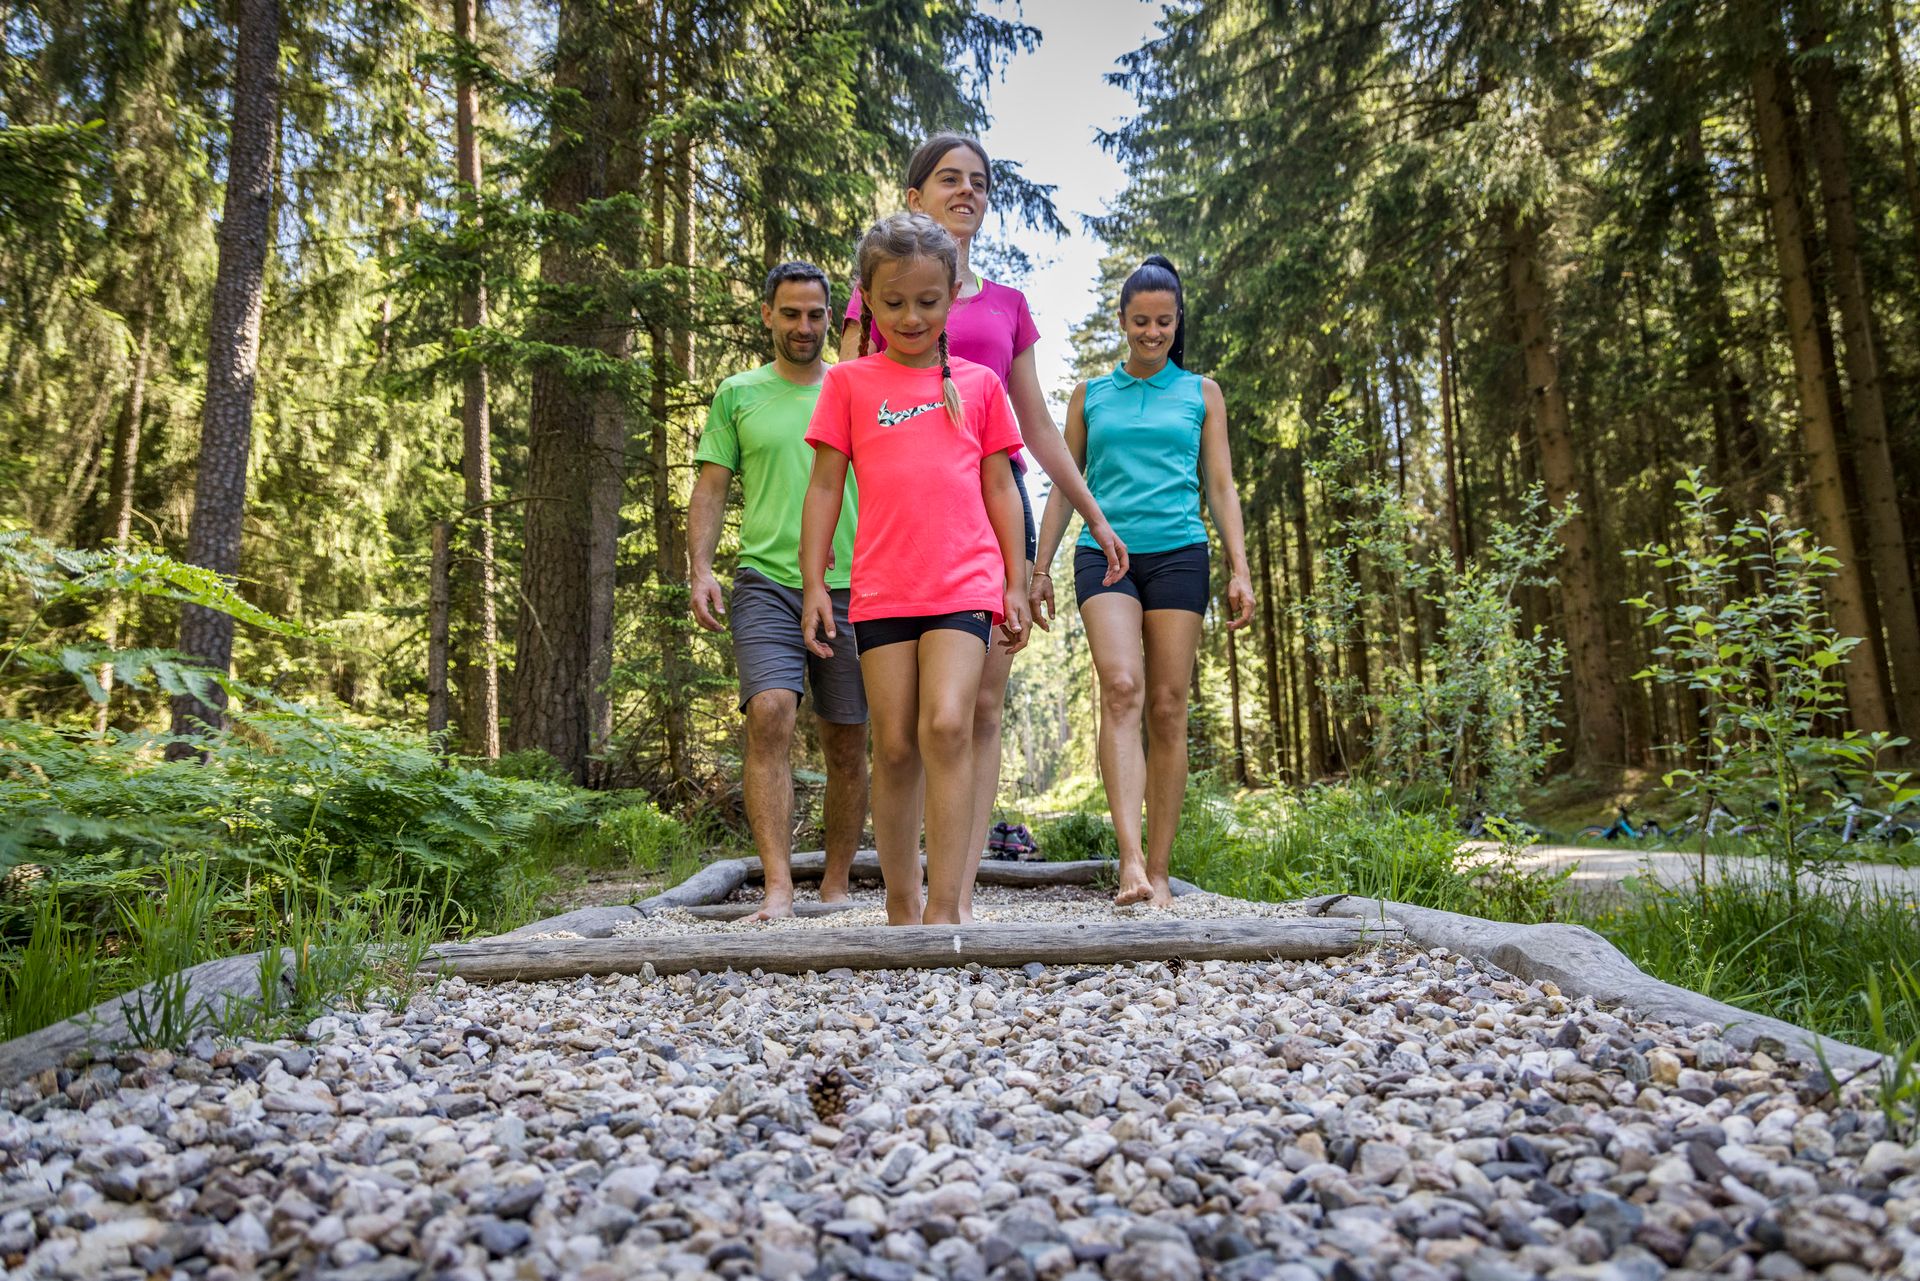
x=955 y=193
x=1150 y=319
x=910 y=299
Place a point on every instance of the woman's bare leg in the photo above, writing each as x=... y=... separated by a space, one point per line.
x=1114 y=635
x=1172 y=637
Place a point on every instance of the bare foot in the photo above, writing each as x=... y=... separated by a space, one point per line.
x=836 y=892
x=775 y=904
x=1162 y=893
x=1134 y=886
x=902 y=912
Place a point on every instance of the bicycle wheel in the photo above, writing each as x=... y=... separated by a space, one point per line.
x=1596 y=833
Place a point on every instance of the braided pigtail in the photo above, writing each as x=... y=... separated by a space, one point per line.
x=947 y=386
x=866 y=324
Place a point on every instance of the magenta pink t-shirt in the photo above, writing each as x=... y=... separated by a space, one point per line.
x=925 y=544
x=989 y=328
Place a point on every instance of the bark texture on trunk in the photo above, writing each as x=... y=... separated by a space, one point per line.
x=552 y=668
x=1315 y=763
x=1456 y=542
x=233 y=346
x=1270 y=644
x=480 y=654
x=1826 y=494
x=1903 y=116
x=1867 y=416
x=439 y=614
x=1599 y=729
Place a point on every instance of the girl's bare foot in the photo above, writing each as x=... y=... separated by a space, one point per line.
x=775 y=904
x=903 y=911
x=1162 y=892
x=1134 y=886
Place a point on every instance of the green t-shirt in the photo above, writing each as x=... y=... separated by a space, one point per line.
x=757 y=429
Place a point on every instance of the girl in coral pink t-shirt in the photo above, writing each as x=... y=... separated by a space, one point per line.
x=938 y=556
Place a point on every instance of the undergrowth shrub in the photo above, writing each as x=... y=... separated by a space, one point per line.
x=1075 y=836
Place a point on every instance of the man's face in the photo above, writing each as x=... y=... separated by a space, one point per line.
x=797 y=318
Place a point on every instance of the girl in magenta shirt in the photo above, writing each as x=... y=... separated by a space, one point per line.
x=938 y=559
x=951 y=181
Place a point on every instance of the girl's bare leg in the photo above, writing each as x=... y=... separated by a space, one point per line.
x=892 y=677
x=1172 y=637
x=950 y=663
x=988 y=712
x=1114 y=635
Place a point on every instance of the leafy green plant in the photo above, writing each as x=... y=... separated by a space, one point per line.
x=1899 y=1072
x=640 y=835
x=1075 y=836
x=54 y=976
x=1742 y=626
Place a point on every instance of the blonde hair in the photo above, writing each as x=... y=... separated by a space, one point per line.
x=897 y=238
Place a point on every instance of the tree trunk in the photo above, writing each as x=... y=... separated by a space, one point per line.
x=480 y=656
x=1599 y=739
x=126 y=469
x=551 y=676
x=1233 y=694
x=233 y=349
x=1270 y=643
x=439 y=615
x=1826 y=495
x=1455 y=541
x=1903 y=115
x=1315 y=763
x=1733 y=398
x=1867 y=412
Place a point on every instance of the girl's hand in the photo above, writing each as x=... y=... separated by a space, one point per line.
x=1040 y=599
x=1240 y=601
x=1017 y=626
x=1115 y=550
x=816 y=621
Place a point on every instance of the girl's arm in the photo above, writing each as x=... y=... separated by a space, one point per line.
x=1223 y=500
x=1043 y=439
x=819 y=514
x=997 y=487
x=1053 y=524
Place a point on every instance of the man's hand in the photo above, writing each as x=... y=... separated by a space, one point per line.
x=1115 y=550
x=1040 y=600
x=709 y=603
x=816 y=621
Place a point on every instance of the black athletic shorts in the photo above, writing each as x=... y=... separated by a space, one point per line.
x=1158 y=580
x=1026 y=511
x=875 y=632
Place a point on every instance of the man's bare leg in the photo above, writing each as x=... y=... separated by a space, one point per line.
x=769 y=793
x=845 y=747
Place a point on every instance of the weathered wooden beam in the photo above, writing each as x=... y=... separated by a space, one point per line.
x=213 y=991
x=1103 y=942
x=711 y=884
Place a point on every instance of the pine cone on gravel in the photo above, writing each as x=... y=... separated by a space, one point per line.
x=827 y=1092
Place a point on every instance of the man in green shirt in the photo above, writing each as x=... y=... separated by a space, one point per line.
x=757 y=430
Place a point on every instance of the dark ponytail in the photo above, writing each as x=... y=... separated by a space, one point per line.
x=1156 y=275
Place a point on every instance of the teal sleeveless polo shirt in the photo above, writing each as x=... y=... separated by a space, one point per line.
x=1143 y=457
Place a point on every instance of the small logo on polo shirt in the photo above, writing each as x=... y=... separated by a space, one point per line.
x=894 y=417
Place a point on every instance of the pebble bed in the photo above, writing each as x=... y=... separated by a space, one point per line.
x=992 y=904
x=1395 y=1114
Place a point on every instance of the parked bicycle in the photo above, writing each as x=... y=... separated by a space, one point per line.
x=1622 y=828
x=1485 y=826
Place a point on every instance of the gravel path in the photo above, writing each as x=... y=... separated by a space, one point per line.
x=1398 y=1114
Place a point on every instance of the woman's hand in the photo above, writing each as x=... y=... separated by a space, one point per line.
x=1240 y=601
x=816 y=621
x=1115 y=551
x=1040 y=599
x=1016 y=626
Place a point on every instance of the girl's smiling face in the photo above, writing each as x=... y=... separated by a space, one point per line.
x=955 y=194
x=910 y=299
x=1150 y=320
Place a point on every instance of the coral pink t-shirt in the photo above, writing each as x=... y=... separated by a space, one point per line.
x=989 y=328
x=925 y=544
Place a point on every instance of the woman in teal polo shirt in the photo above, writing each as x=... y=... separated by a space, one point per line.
x=1150 y=436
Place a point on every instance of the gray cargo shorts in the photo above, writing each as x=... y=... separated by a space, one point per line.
x=769 y=654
